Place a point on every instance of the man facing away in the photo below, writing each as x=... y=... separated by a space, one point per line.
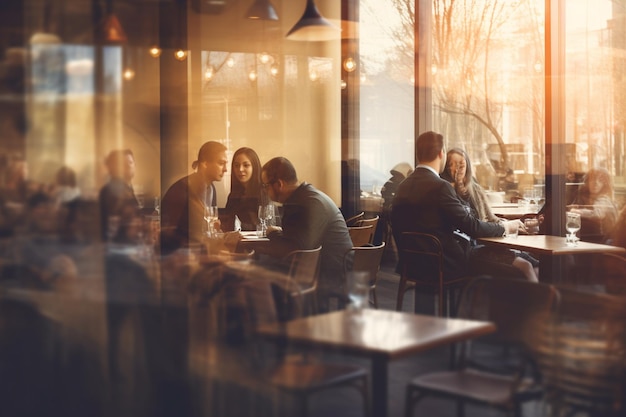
x=182 y=206
x=118 y=203
x=424 y=202
x=310 y=219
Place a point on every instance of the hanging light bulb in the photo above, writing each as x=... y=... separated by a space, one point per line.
x=180 y=54
x=344 y=84
x=264 y=57
x=274 y=70
x=252 y=75
x=209 y=73
x=363 y=78
x=349 y=64
x=128 y=74
x=230 y=62
x=313 y=75
x=312 y=26
x=155 y=51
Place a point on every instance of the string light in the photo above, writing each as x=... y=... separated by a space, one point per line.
x=155 y=51
x=180 y=55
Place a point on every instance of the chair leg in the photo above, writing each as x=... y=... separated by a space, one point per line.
x=401 y=290
x=374 y=298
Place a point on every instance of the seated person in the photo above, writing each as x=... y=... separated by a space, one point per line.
x=246 y=193
x=458 y=172
x=595 y=204
x=310 y=219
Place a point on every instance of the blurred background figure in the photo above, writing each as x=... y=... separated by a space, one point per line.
x=595 y=203
x=65 y=188
x=618 y=237
x=246 y=192
x=39 y=258
x=398 y=173
x=118 y=204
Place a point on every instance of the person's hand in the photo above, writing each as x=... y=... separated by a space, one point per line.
x=512 y=227
x=272 y=229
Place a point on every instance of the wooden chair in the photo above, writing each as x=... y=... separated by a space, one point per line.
x=367 y=258
x=361 y=235
x=304 y=272
x=583 y=355
x=516 y=308
x=351 y=221
x=422 y=267
x=365 y=222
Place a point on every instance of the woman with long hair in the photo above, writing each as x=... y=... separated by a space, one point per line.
x=458 y=172
x=594 y=202
x=246 y=191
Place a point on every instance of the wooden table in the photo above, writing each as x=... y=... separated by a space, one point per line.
x=379 y=335
x=546 y=247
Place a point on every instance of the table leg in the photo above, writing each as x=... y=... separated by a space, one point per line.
x=379 y=386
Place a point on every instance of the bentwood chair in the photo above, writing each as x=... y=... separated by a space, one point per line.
x=421 y=268
x=304 y=273
x=498 y=380
x=366 y=222
x=583 y=355
x=361 y=235
x=351 y=221
x=367 y=258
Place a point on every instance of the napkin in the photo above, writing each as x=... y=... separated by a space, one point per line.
x=237 y=224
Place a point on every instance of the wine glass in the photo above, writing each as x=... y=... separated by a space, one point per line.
x=572 y=225
x=211 y=217
x=358 y=289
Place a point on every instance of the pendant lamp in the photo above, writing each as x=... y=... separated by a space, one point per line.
x=313 y=27
x=262 y=10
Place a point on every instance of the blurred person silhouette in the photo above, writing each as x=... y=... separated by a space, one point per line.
x=17 y=185
x=183 y=205
x=458 y=172
x=66 y=187
x=38 y=252
x=398 y=173
x=246 y=193
x=117 y=200
x=596 y=206
x=310 y=219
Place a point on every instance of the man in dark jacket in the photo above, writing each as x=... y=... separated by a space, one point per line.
x=310 y=219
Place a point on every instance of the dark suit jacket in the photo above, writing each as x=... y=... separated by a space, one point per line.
x=426 y=203
x=310 y=219
x=182 y=213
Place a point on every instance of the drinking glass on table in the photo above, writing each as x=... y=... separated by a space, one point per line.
x=211 y=218
x=358 y=289
x=572 y=225
x=532 y=225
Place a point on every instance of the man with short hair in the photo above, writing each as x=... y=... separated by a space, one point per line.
x=424 y=202
x=309 y=219
x=182 y=206
x=117 y=199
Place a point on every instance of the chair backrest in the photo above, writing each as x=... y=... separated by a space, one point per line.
x=366 y=258
x=351 y=221
x=422 y=257
x=583 y=353
x=361 y=235
x=516 y=307
x=611 y=271
x=365 y=222
x=304 y=268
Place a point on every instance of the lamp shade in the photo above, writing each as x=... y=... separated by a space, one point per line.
x=262 y=10
x=112 y=31
x=313 y=27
